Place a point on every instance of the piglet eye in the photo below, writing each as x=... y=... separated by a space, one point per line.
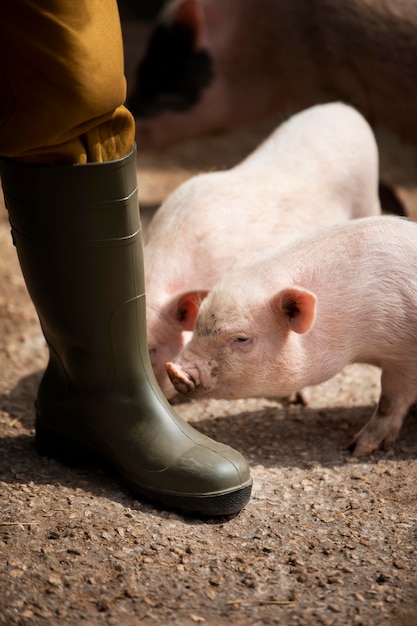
x=242 y=340
x=241 y=344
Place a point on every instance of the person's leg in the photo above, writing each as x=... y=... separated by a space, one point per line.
x=77 y=231
x=62 y=84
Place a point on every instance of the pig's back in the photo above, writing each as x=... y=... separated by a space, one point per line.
x=307 y=168
x=364 y=255
x=328 y=150
x=336 y=130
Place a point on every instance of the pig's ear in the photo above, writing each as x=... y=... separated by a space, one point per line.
x=188 y=306
x=189 y=13
x=298 y=306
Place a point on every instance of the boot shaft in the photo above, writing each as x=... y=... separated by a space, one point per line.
x=77 y=232
x=92 y=201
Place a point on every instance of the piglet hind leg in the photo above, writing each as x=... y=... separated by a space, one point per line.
x=398 y=392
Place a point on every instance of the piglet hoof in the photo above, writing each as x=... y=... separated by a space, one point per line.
x=364 y=444
x=378 y=434
x=182 y=382
x=358 y=449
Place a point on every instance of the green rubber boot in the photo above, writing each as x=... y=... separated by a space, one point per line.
x=78 y=236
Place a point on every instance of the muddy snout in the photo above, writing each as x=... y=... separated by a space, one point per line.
x=182 y=381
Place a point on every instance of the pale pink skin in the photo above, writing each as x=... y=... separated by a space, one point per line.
x=295 y=319
x=280 y=56
x=319 y=168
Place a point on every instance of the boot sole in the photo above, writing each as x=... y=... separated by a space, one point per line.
x=72 y=453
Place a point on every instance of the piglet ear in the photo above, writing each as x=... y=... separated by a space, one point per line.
x=187 y=309
x=298 y=306
x=190 y=14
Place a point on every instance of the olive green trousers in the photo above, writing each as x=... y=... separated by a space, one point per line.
x=62 y=83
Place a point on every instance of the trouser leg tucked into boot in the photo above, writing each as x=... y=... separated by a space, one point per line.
x=77 y=233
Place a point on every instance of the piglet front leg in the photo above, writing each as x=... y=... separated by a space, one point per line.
x=381 y=431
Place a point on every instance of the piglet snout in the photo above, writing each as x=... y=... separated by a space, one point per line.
x=182 y=381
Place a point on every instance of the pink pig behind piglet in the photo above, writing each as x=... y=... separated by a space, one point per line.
x=320 y=167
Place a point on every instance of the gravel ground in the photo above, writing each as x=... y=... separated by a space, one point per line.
x=325 y=540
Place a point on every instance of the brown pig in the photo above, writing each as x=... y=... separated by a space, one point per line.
x=286 y=321
x=219 y=64
x=318 y=168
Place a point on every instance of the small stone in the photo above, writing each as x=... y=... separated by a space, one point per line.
x=55 y=580
x=197 y=618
